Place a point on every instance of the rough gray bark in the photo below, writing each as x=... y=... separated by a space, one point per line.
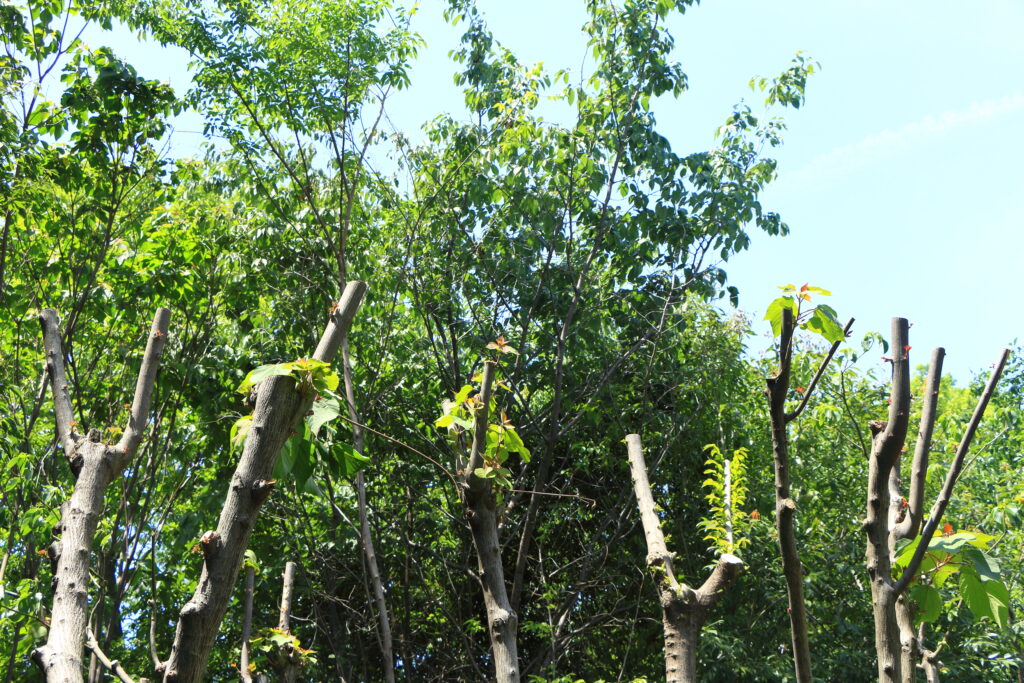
x=279 y=408
x=478 y=494
x=887 y=442
x=785 y=506
x=684 y=610
x=95 y=464
x=897 y=645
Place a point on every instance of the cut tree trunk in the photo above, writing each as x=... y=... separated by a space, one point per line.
x=480 y=503
x=897 y=645
x=95 y=465
x=684 y=610
x=785 y=507
x=280 y=406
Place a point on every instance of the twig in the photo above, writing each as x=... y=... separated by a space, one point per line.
x=112 y=665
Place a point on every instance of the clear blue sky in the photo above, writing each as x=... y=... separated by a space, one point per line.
x=900 y=179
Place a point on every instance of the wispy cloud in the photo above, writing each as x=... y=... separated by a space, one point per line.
x=887 y=142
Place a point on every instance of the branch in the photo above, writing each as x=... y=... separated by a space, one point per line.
x=243 y=662
x=821 y=370
x=476 y=452
x=890 y=436
x=280 y=406
x=657 y=551
x=64 y=415
x=725 y=572
x=111 y=665
x=129 y=442
x=939 y=507
x=919 y=468
x=341 y=321
x=287 y=587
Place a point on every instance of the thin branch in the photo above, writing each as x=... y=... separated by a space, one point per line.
x=129 y=442
x=939 y=507
x=110 y=665
x=405 y=446
x=821 y=370
x=243 y=662
x=919 y=468
x=476 y=452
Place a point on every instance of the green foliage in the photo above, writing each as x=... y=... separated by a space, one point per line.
x=501 y=441
x=726 y=496
x=820 y=319
x=963 y=556
x=585 y=237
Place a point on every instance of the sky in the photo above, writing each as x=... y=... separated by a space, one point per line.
x=899 y=179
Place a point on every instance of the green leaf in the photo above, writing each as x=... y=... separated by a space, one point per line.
x=349 y=459
x=985 y=598
x=774 y=313
x=261 y=373
x=324 y=410
x=239 y=431
x=463 y=394
x=824 y=322
x=928 y=601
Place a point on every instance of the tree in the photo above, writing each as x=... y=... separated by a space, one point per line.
x=684 y=609
x=886 y=522
x=785 y=314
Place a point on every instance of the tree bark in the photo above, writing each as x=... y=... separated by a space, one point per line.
x=291 y=662
x=785 y=506
x=897 y=644
x=279 y=408
x=480 y=503
x=243 y=662
x=684 y=610
x=95 y=464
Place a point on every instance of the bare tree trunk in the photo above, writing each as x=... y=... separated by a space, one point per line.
x=478 y=495
x=291 y=661
x=243 y=662
x=785 y=506
x=279 y=408
x=897 y=646
x=95 y=464
x=684 y=610
x=366 y=536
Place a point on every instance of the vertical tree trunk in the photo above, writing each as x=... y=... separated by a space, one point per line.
x=243 y=662
x=502 y=622
x=95 y=464
x=279 y=408
x=897 y=646
x=683 y=609
x=365 y=533
x=291 y=662
x=785 y=506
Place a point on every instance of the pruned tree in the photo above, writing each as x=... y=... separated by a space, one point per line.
x=896 y=642
x=684 y=609
x=95 y=465
x=479 y=496
x=281 y=404
x=785 y=314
